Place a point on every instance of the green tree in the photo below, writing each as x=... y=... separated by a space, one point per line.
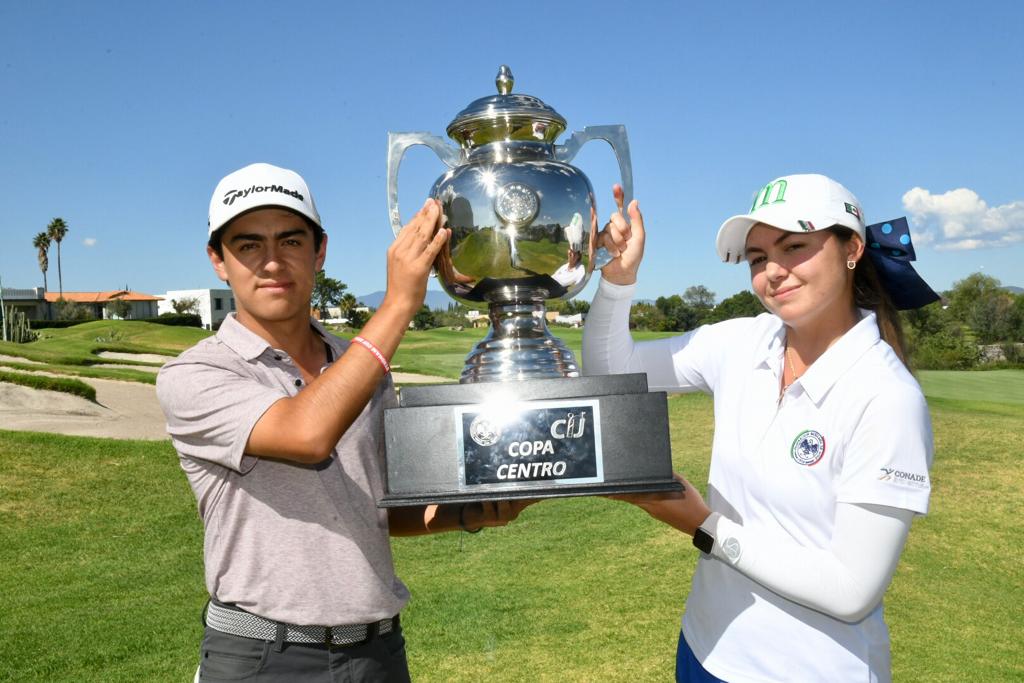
x=937 y=340
x=350 y=309
x=980 y=302
x=701 y=300
x=424 y=319
x=741 y=305
x=327 y=292
x=72 y=310
x=42 y=244
x=574 y=306
x=119 y=308
x=646 y=316
x=699 y=296
x=185 y=305
x=57 y=230
x=679 y=315
x=1018 y=317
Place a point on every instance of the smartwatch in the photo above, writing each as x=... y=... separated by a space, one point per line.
x=702 y=540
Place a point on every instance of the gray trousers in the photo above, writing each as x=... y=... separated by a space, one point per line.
x=224 y=657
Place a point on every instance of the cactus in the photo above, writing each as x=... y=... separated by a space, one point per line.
x=18 y=329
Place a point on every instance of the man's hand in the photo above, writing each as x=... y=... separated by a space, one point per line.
x=411 y=256
x=492 y=512
x=624 y=241
x=411 y=521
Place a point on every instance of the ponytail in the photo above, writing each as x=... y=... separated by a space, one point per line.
x=869 y=293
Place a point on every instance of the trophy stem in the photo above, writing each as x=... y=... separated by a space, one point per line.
x=518 y=346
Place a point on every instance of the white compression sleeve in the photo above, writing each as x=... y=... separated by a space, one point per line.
x=608 y=347
x=607 y=344
x=845 y=581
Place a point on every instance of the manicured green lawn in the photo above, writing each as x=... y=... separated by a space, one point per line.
x=995 y=386
x=102 y=570
x=443 y=351
x=74 y=350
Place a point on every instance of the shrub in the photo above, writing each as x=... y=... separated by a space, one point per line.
x=72 y=310
x=944 y=351
x=42 y=324
x=176 y=320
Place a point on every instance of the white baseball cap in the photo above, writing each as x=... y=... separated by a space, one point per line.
x=259 y=186
x=796 y=203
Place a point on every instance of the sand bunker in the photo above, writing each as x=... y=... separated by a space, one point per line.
x=123 y=410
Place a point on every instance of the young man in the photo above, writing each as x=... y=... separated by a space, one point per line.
x=279 y=428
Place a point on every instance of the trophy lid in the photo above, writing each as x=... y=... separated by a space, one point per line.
x=505 y=116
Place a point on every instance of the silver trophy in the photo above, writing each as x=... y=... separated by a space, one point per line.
x=523 y=222
x=522 y=422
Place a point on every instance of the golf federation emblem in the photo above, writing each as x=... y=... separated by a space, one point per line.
x=808 y=447
x=484 y=431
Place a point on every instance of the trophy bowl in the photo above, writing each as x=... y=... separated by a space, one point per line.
x=523 y=224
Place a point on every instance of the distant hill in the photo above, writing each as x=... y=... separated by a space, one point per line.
x=437 y=301
x=1014 y=290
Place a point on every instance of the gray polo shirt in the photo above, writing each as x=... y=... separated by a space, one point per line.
x=294 y=543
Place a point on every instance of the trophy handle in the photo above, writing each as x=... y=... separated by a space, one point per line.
x=398 y=143
x=619 y=141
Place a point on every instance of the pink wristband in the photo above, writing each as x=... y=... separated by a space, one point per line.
x=372 y=348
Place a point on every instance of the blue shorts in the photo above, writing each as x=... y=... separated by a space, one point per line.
x=688 y=669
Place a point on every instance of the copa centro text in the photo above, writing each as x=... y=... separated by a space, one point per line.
x=569 y=428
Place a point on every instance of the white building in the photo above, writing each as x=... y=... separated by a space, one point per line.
x=213 y=304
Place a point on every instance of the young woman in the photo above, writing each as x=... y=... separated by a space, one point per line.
x=822 y=437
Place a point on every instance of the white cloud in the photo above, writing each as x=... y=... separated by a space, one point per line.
x=960 y=219
x=89 y=241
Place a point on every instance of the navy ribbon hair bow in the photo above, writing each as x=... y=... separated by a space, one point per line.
x=891 y=251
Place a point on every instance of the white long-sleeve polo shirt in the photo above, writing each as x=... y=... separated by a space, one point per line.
x=853 y=433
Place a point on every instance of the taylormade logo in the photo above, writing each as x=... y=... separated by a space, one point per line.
x=231 y=195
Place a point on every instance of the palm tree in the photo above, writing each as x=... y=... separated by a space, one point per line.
x=42 y=243
x=56 y=230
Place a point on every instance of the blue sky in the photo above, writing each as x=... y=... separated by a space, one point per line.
x=121 y=118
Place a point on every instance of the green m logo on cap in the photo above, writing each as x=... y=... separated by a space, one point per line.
x=764 y=197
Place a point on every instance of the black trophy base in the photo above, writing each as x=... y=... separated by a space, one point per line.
x=549 y=438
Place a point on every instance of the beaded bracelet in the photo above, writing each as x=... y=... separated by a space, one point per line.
x=372 y=348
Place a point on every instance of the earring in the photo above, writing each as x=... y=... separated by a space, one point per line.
x=851 y=264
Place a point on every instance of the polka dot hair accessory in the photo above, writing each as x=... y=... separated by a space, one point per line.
x=889 y=246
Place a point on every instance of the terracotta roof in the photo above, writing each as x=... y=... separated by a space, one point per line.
x=102 y=297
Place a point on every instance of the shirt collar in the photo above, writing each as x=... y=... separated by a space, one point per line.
x=831 y=365
x=250 y=345
x=773 y=350
x=241 y=339
x=840 y=357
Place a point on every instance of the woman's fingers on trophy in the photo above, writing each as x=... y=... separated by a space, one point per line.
x=619 y=231
x=636 y=221
x=619 y=195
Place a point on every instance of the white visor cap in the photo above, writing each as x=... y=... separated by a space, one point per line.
x=795 y=203
x=260 y=186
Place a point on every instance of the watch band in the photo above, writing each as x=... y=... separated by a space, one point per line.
x=704 y=536
x=703 y=541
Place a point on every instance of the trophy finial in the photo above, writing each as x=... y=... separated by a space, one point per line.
x=504 y=80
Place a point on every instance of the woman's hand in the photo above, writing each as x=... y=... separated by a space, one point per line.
x=624 y=241
x=684 y=510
